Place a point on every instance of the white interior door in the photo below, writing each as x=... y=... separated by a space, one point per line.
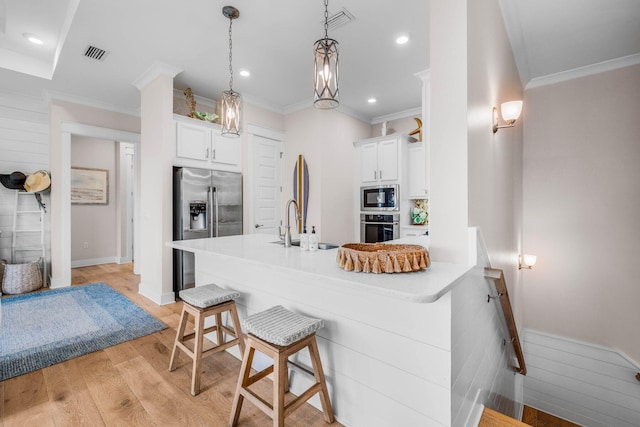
x=267 y=184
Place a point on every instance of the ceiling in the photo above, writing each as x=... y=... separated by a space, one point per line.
x=274 y=40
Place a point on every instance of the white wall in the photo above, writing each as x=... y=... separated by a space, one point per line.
x=95 y=225
x=399 y=125
x=586 y=384
x=156 y=182
x=581 y=209
x=325 y=139
x=448 y=201
x=495 y=160
x=59 y=112
x=24 y=147
x=481 y=365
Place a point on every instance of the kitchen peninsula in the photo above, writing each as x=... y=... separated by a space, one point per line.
x=386 y=341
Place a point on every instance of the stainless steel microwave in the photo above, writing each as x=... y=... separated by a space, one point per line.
x=379 y=198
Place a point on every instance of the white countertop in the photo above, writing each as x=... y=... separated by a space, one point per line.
x=421 y=287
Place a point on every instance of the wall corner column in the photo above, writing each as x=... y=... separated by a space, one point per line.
x=155 y=184
x=448 y=198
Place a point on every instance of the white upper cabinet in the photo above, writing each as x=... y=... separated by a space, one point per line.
x=200 y=144
x=379 y=160
x=417 y=165
x=226 y=150
x=192 y=141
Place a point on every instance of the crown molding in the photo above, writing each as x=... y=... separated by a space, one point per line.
x=262 y=103
x=588 y=70
x=308 y=103
x=417 y=111
x=352 y=113
x=424 y=74
x=156 y=70
x=298 y=106
x=50 y=95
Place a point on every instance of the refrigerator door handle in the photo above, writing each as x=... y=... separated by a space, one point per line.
x=215 y=210
x=210 y=211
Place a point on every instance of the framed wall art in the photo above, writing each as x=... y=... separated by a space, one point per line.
x=89 y=186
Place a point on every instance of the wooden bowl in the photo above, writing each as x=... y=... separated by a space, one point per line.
x=382 y=258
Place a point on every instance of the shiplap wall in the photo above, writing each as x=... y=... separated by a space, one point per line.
x=481 y=366
x=24 y=147
x=585 y=384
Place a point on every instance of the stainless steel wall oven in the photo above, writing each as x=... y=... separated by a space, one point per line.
x=376 y=228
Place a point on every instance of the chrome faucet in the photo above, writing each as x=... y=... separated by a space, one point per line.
x=287 y=229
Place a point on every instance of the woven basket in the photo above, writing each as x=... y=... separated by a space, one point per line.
x=21 y=278
x=382 y=258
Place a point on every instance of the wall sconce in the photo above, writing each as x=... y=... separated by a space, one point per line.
x=526 y=261
x=510 y=112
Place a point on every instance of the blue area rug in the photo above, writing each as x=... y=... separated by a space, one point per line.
x=49 y=327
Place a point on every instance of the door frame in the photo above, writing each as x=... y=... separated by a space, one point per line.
x=64 y=218
x=263 y=132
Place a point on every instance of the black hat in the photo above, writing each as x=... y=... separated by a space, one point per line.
x=13 y=181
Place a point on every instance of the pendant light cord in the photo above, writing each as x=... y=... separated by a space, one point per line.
x=326 y=19
x=230 y=57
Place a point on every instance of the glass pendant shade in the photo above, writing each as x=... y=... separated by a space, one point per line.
x=326 y=74
x=230 y=113
x=511 y=110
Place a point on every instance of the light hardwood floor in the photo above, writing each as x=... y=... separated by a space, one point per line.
x=129 y=384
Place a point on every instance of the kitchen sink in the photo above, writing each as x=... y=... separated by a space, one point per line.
x=326 y=246
x=321 y=246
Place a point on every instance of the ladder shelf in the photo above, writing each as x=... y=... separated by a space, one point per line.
x=19 y=217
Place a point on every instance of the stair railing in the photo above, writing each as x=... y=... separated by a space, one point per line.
x=503 y=295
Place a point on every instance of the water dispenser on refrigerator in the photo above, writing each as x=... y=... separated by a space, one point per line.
x=198 y=215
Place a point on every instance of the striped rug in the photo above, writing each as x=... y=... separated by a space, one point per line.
x=44 y=328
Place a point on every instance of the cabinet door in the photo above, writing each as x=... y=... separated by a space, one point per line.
x=225 y=150
x=388 y=160
x=192 y=142
x=417 y=168
x=369 y=162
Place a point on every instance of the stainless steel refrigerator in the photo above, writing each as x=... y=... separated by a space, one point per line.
x=206 y=203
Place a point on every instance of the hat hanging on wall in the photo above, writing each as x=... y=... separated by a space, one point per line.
x=13 y=181
x=37 y=182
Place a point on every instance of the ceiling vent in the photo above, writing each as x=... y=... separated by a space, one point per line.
x=95 y=53
x=340 y=19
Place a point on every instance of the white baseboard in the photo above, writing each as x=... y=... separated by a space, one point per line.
x=94 y=261
x=158 y=298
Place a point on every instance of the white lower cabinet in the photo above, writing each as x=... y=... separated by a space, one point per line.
x=200 y=144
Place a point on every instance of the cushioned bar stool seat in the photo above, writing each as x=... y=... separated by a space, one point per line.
x=202 y=302
x=280 y=333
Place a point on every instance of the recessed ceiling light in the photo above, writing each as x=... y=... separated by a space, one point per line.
x=372 y=100
x=245 y=73
x=402 y=39
x=33 y=38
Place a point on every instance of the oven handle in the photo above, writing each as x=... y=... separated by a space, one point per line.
x=379 y=223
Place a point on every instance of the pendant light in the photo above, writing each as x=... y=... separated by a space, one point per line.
x=326 y=68
x=230 y=99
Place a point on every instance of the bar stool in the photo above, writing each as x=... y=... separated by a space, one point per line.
x=202 y=302
x=279 y=333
